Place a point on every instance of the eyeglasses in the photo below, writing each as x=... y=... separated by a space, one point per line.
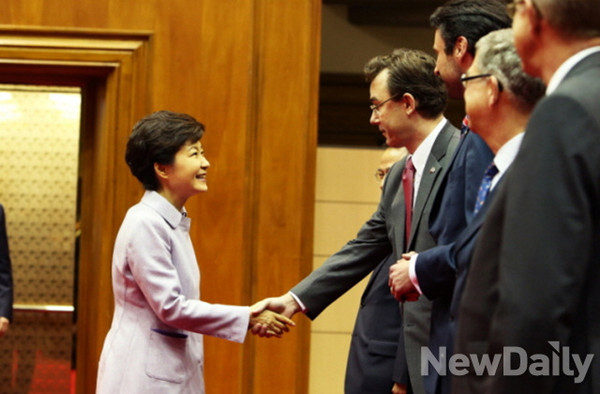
x=381 y=173
x=375 y=107
x=464 y=79
x=511 y=7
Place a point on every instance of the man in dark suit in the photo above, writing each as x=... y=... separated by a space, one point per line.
x=534 y=281
x=6 y=284
x=402 y=124
x=499 y=97
x=408 y=100
x=458 y=25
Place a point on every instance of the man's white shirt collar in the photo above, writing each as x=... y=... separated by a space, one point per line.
x=421 y=154
x=567 y=66
x=506 y=155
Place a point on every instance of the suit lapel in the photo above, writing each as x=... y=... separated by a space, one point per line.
x=433 y=170
x=396 y=210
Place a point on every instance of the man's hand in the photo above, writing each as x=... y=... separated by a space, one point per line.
x=284 y=304
x=4 y=323
x=399 y=281
x=399 y=388
x=266 y=323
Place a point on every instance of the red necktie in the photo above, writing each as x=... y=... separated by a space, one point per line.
x=408 y=176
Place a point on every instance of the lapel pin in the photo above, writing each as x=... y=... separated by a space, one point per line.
x=432 y=170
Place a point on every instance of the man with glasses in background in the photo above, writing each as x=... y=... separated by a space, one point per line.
x=388 y=158
x=537 y=258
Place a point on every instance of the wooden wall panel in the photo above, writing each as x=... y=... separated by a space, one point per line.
x=285 y=123
x=249 y=71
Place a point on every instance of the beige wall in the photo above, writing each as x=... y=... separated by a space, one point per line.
x=346 y=196
x=345 y=48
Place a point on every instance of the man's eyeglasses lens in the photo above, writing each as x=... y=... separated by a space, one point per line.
x=511 y=7
x=380 y=174
x=375 y=107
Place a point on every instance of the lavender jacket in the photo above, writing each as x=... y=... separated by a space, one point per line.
x=155 y=341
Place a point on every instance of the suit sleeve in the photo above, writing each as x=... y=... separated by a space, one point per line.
x=345 y=268
x=152 y=266
x=436 y=271
x=356 y=259
x=6 y=283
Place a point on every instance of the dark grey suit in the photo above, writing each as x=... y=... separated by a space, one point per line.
x=535 y=273
x=381 y=236
x=6 y=284
x=375 y=337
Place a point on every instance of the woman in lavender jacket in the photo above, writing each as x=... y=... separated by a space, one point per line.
x=155 y=342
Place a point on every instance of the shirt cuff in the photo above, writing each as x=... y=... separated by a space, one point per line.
x=295 y=297
x=412 y=272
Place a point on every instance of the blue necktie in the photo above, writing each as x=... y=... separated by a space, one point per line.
x=486 y=184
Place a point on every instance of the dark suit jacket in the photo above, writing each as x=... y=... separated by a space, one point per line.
x=381 y=236
x=451 y=210
x=535 y=273
x=375 y=337
x=442 y=272
x=6 y=284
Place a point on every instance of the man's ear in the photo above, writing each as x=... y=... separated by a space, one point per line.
x=535 y=19
x=461 y=46
x=461 y=53
x=410 y=103
x=493 y=90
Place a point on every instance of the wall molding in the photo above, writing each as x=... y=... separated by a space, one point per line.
x=113 y=69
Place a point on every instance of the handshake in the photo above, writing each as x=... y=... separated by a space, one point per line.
x=271 y=317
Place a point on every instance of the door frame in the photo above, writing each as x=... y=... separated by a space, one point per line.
x=113 y=70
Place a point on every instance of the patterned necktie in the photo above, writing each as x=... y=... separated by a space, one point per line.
x=486 y=184
x=408 y=177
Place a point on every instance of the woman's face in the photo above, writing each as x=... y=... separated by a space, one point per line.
x=187 y=175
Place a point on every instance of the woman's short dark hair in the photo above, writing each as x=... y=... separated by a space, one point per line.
x=411 y=71
x=156 y=138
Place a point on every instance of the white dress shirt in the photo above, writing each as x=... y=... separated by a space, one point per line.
x=503 y=159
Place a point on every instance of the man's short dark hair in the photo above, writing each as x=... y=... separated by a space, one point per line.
x=412 y=71
x=471 y=19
